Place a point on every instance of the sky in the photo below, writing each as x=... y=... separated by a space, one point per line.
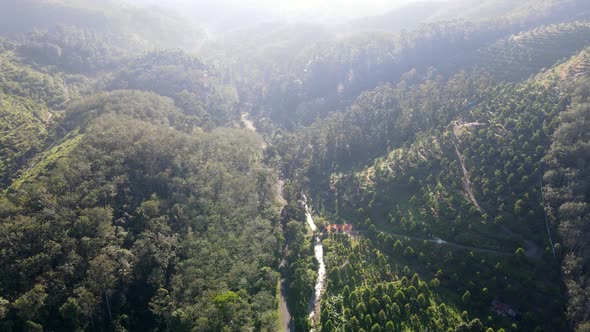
x=342 y=8
x=294 y=4
x=307 y=4
x=289 y=7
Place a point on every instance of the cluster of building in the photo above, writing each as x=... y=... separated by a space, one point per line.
x=345 y=228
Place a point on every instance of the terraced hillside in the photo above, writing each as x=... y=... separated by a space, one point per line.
x=524 y=54
x=572 y=69
x=22 y=132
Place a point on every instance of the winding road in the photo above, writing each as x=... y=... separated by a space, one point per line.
x=247 y=122
x=287 y=324
x=443 y=242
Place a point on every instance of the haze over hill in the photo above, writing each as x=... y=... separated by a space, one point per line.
x=231 y=14
x=295 y=165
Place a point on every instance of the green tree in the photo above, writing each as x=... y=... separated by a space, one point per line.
x=30 y=305
x=71 y=312
x=4 y=307
x=389 y=326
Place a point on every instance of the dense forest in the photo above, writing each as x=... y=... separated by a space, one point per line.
x=419 y=169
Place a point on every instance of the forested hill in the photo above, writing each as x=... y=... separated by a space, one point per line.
x=129 y=200
x=149 y=26
x=425 y=170
x=298 y=71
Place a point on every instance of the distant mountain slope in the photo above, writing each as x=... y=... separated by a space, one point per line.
x=326 y=71
x=572 y=69
x=407 y=17
x=413 y=15
x=524 y=54
x=23 y=133
x=538 y=11
x=159 y=28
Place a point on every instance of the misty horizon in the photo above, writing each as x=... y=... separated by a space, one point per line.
x=223 y=12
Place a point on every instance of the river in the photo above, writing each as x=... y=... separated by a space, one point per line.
x=318 y=250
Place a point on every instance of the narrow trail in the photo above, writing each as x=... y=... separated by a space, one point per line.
x=545 y=212
x=532 y=250
x=279 y=193
x=48 y=120
x=466 y=182
x=287 y=324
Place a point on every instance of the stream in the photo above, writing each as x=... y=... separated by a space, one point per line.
x=318 y=250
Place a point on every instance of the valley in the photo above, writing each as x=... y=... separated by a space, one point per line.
x=191 y=167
